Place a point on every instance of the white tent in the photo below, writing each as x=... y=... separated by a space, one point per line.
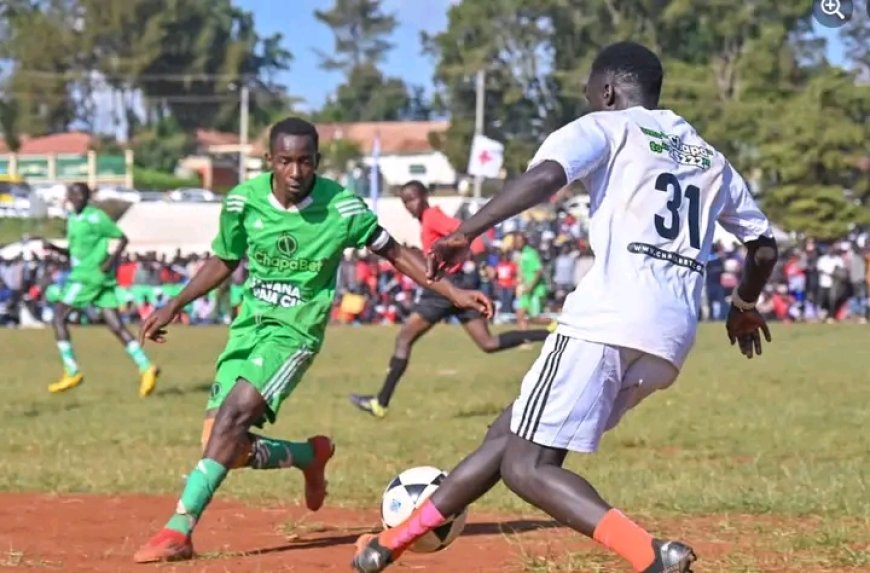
x=166 y=227
x=27 y=248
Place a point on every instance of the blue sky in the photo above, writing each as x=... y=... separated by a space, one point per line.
x=303 y=33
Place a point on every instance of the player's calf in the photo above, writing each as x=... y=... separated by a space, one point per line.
x=228 y=435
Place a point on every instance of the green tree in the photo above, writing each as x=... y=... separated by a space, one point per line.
x=182 y=58
x=367 y=96
x=509 y=40
x=161 y=146
x=361 y=30
x=338 y=154
x=751 y=78
x=855 y=35
x=187 y=58
x=39 y=42
x=810 y=153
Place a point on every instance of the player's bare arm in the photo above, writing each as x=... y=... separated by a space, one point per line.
x=745 y=324
x=411 y=262
x=113 y=259
x=527 y=190
x=213 y=273
x=524 y=192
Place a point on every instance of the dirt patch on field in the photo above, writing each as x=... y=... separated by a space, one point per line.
x=100 y=533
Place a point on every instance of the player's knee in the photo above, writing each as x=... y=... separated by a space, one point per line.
x=489 y=345
x=59 y=316
x=519 y=474
x=231 y=423
x=404 y=342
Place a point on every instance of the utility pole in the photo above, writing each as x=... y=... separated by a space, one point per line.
x=243 y=132
x=478 y=123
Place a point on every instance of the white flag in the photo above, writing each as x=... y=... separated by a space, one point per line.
x=487 y=156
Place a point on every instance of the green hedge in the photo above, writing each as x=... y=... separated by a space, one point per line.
x=11 y=230
x=148 y=179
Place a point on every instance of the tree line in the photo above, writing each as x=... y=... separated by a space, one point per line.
x=753 y=77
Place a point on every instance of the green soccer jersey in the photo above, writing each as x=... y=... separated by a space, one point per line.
x=293 y=254
x=88 y=235
x=530 y=264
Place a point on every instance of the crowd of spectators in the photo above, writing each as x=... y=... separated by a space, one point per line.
x=811 y=283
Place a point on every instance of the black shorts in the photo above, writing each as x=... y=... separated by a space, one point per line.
x=435 y=308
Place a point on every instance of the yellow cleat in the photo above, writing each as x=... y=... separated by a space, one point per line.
x=67 y=382
x=369 y=404
x=376 y=409
x=148 y=381
x=554 y=324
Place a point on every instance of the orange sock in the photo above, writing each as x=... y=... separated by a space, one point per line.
x=626 y=538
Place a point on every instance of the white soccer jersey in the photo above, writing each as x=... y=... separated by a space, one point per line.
x=656 y=189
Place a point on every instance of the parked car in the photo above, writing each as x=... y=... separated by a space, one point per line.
x=193 y=195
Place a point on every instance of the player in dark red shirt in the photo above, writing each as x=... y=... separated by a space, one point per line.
x=432 y=308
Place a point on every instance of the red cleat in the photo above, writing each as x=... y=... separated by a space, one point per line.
x=166 y=545
x=315 y=473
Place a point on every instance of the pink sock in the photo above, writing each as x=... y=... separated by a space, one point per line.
x=422 y=521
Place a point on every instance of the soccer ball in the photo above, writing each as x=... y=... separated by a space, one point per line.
x=406 y=492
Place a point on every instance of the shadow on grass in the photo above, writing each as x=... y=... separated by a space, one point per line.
x=509 y=527
x=343 y=538
x=173 y=391
x=36 y=411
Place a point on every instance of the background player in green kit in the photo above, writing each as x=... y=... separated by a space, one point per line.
x=92 y=282
x=532 y=291
x=293 y=226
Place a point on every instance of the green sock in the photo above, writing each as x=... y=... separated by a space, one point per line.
x=70 y=366
x=134 y=349
x=270 y=454
x=201 y=484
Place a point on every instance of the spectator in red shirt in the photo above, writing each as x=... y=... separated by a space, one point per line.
x=506 y=281
x=126 y=272
x=432 y=308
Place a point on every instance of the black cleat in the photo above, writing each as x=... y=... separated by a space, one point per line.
x=671 y=557
x=371 y=556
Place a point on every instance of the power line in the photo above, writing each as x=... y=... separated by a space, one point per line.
x=150 y=99
x=178 y=77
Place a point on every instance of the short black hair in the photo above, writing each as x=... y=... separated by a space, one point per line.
x=418 y=185
x=82 y=188
x=294 y=126
x=632 y=64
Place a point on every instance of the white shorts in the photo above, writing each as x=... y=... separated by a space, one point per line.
x=576 y=390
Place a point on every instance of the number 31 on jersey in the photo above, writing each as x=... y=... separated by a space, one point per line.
x=668 y=183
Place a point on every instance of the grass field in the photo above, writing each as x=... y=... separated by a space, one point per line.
x=785 y=437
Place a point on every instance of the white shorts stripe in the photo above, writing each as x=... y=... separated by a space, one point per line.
x=548 y=372
x=577 y=390
x=560 y=351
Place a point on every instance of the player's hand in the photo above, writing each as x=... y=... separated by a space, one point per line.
x=745 y=328
x=447 y=253
x=154 y=327
x=473 y=299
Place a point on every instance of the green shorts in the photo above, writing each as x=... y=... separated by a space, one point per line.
x=268 y=359
x=78 y=294
x=533 y=305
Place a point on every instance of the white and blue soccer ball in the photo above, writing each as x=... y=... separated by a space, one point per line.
x=408 y=491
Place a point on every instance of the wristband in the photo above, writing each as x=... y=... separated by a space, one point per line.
x=739 y=303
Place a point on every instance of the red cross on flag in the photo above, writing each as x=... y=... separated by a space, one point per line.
x=486 y=158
